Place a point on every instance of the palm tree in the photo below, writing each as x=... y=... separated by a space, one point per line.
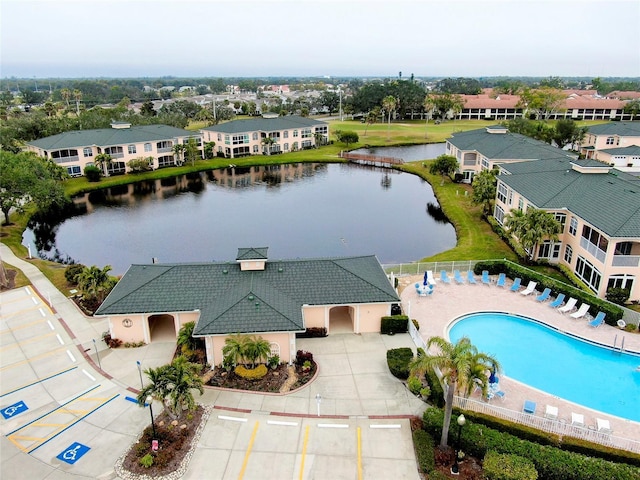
x=178 y=151
x=234 y=348
x=94 y=282
x=103 y=160
x=532 y=227
x=371 y=118
x=77 y=96
x=267 y=142
x=65 y=93
x=256 y=349
x=172 y=384
x=186 y=338
x=389 y=105
x=460 y=364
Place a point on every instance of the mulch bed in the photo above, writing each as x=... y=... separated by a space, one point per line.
x=271 y=382
x=174 y=443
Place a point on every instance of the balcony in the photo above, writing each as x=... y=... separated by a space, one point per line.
x=626 y=261
x=66 y=159
x=165 y=149
x=593 y=249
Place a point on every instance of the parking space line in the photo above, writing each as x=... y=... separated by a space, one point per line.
x=233 y=419
x=278 y=422
x=25 y=342
x=333 y=425
x=304 y=451
x=50 y=324
x=385 y=425
x=38 y=381
x=31 y=359
x=73 y=359
x=88 y=375
x=246 y=456
x=359 y=454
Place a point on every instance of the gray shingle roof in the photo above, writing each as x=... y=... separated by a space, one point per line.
x=608 y=201
x=255 y=253
x=106 y=137
x=630 y=150
x=623 y=129
x=265 y=124
x=505 y=146
x=231 y=300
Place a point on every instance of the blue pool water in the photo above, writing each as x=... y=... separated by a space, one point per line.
x=558 y=364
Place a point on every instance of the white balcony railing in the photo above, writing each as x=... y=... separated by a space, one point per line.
x=626 y=260
x=593 y=249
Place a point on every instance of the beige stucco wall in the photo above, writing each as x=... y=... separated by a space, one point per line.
x=286 y=342
x=139 y=329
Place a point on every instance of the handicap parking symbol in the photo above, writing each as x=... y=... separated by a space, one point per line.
x=73 y=453
x=13 y=410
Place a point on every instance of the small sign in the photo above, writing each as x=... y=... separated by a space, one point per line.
x=73 y=453
x=13 y=410
x=154 y=445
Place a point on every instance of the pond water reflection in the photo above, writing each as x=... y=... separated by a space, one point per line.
x=297 y=210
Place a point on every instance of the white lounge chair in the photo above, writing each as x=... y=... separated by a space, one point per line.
x=570 y=305
x=577 y=419
x=551 y=412
x=430 y=279
x=581 y=312
x=530 y=288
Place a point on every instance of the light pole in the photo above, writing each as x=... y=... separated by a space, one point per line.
x=95 y=346
x=153 y=424
x=455 y=469
x=318 y=401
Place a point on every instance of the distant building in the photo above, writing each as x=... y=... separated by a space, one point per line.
x=123 y=142
x=609 y=136
x=267 y=136
x=486 y=148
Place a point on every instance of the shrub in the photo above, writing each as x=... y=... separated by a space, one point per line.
x=302 y=356
x=415 y=323
x=618 y=295
x=425 y=392
x=147 y=460
x=414 y=385
x=313 y=332
x=398 y=361
x=273 y=362
x=394 y=324
x=72 y=271
x=423 y=444
x=92 y=173
x=497 y=466
x=251 y=373
x=437 y=475
x=436 y=397
x=111 y=342
x=140 y=164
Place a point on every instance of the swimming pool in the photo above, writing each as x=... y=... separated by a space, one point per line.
x=559 y=364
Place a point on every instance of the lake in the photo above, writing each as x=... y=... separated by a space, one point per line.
x=297 y=210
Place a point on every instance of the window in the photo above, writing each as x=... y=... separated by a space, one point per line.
x=255 y=136
x=286 y=147
x=226 y=140
x=502 y=192
x=498 y=214
x=115 y=152
x=87 y=151
x=219 y=137
x=588 y=273
x=623 y=248
x=61 y=156
x=256 y=149
x=521 y=204
x=74 y=170
x=131 y=149
x=240 y=139
x=595 y=238
x=306 y=133
x=285 y=134
x=548 y=249
x=621 y=281
x=148 y=147
x=485 y=163
x=610 y=140
x=573 y=226
x=562 y=219
x=295 y=133
x=568 y=254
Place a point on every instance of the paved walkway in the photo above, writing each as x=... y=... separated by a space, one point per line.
x=53 y=357
x=449 y=302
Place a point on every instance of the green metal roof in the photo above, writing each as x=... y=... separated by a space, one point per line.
x=265 y=124
x=253 y=253
x=105 y=137
x=505 y=146
x=623 y=129
x=608 y=201
x=630 y=150
x=231 y=300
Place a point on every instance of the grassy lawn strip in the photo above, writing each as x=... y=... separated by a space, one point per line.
x=476 y=240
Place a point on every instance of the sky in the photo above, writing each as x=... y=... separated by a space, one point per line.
x=224 y=38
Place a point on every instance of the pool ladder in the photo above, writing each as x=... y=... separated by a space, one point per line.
x=615 y=340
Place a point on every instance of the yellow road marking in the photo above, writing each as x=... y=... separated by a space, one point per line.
x=25 y=342
x=359 y=454
x=304 y=451
x=246 y=456
x=31 y=359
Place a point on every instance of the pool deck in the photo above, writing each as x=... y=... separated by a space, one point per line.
x=435 y=312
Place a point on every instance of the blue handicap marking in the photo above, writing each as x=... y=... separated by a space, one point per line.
x=73 y=453
x=13 y=410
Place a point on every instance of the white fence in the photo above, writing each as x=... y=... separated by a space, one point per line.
x=557 y=427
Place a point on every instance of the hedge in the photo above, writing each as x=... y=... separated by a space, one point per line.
x=398 y=361
x=437 y=392
x=424 y=446
x=550 y=462
x=394 y=324
x=500 y=466
x=613 y=312
x=251 y=373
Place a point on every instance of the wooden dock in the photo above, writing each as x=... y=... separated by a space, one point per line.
x=371 y=160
